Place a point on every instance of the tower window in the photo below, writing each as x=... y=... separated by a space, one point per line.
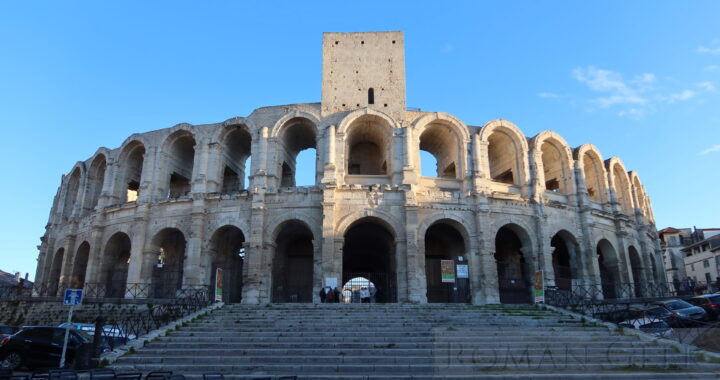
x=371 y=96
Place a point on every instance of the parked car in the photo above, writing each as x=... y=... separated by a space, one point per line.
x=654 y=326
x=683 y=312
x=39 y=346
x=6 y=331
x=710 y=303
x=112 y=336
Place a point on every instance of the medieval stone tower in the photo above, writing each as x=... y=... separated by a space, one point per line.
x=164 y=211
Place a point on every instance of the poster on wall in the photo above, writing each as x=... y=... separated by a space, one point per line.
x=462 y=270
x=447 y=270
x=539 y=289
x=218 y=284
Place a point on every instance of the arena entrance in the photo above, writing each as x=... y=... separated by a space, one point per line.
x=369 y=254
x=444 y=242
x=609 y=269
x=167 y=274
x=292 y=275
x=513 y=273
x=227 y=254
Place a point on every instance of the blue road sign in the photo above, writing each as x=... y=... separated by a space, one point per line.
x=73 y=297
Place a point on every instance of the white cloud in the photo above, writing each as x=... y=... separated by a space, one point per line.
x=548 y=95
x=707 y=50
x=707 y=86
x=712 y=68
x=627 y=94
x=714 y=148
x=680 y=96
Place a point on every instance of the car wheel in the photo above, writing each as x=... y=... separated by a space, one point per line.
x=12 y=360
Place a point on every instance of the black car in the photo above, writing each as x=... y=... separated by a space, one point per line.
x=6 y=331
x=36 y=346
x=710 y=303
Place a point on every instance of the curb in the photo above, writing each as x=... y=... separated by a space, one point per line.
x=137 y=344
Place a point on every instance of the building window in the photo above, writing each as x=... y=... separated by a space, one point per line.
x=692 y=266
x=371 y=96
x=706 y=263
x=707 y=278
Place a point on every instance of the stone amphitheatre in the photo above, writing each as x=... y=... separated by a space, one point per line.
x=163 y=211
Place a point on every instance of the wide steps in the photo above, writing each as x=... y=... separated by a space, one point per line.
x=406 y=341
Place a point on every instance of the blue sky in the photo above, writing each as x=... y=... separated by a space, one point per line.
x=640 y=80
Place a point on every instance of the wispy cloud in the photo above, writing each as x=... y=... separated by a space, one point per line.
x=548 y=95
x=679 y=97
x=714 y=148
x=707 y=50
x=629 y=95
x=707 y=86
x=712 y=68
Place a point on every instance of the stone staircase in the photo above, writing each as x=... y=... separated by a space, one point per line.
x=374 y=341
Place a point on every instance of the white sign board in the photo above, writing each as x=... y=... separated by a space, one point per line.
x=331 y=282
x=462 y=271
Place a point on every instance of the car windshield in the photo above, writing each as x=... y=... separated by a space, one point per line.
x=714 y=299
x=84 y=335
x=677 y=305
x=6 y=330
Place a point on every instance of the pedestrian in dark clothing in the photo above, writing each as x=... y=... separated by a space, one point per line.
x=322 y=295
x=676 y=285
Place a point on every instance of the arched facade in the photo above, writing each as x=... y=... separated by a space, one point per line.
x=175 y=207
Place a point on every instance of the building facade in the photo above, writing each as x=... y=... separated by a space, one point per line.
x=166 y=209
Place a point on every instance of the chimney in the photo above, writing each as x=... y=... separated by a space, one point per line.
x=17 y=276
x=26 y=276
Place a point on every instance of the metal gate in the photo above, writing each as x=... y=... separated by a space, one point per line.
x=384 y=284
x=514 y=290
x=445 y=292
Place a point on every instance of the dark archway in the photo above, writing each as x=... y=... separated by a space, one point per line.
x=77 y=279
x=513 y=273
x=71 y=193
x=292 y=269
x=96 y=179
x=637 y=268
x=168 y=271
x=369 y=252
x=236 y=152
x=444 y=242
x=53 y=282
x=180 y=160
x=116 y=260
x=297 y=136
x=228 y=255
x=130 y=167
x=608 y=266
x=563 y=244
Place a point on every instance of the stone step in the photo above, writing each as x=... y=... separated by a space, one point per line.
x=404 y=369
x=391 y=344
x=639 y=374
x=207 y=333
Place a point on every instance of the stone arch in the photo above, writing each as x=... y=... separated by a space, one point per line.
x=589 y=160
x=79 y=266
x=609 y=266
x=129 y=171
x=179 y=163
x=513 y=256
x=446 y=138
x=636 y=269
x=274 y=224
x=459 y=220
x=619 y=181
x=369 y=253
x=96 y=178
x=368 y=137
x=638 y=193
x=115 y=264
x=566 y=260
x=553 y=163
x=295 y=133
x=384 y=218
x=170 y=246
x=235 y=142
x=507 y=152
x=72 y=189
x=293 y=262
x=228 y=219
x=53 y=283
x=227 y=253
x=446 y=239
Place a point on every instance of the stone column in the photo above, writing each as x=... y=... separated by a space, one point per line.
x=108 y=190
x=215 y=168
x=193 y=265
x=415 y=260
x=255 y=280
x=151 y=183
x=402 y=271
x=67 y=264
x=94 y=266
x=329 y=167
x=142 y=257
x=487 y=271
x=318 y=272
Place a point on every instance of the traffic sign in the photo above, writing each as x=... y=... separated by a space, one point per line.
x=73 y=297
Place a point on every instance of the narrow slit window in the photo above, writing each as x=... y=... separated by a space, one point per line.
x=371 y=96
